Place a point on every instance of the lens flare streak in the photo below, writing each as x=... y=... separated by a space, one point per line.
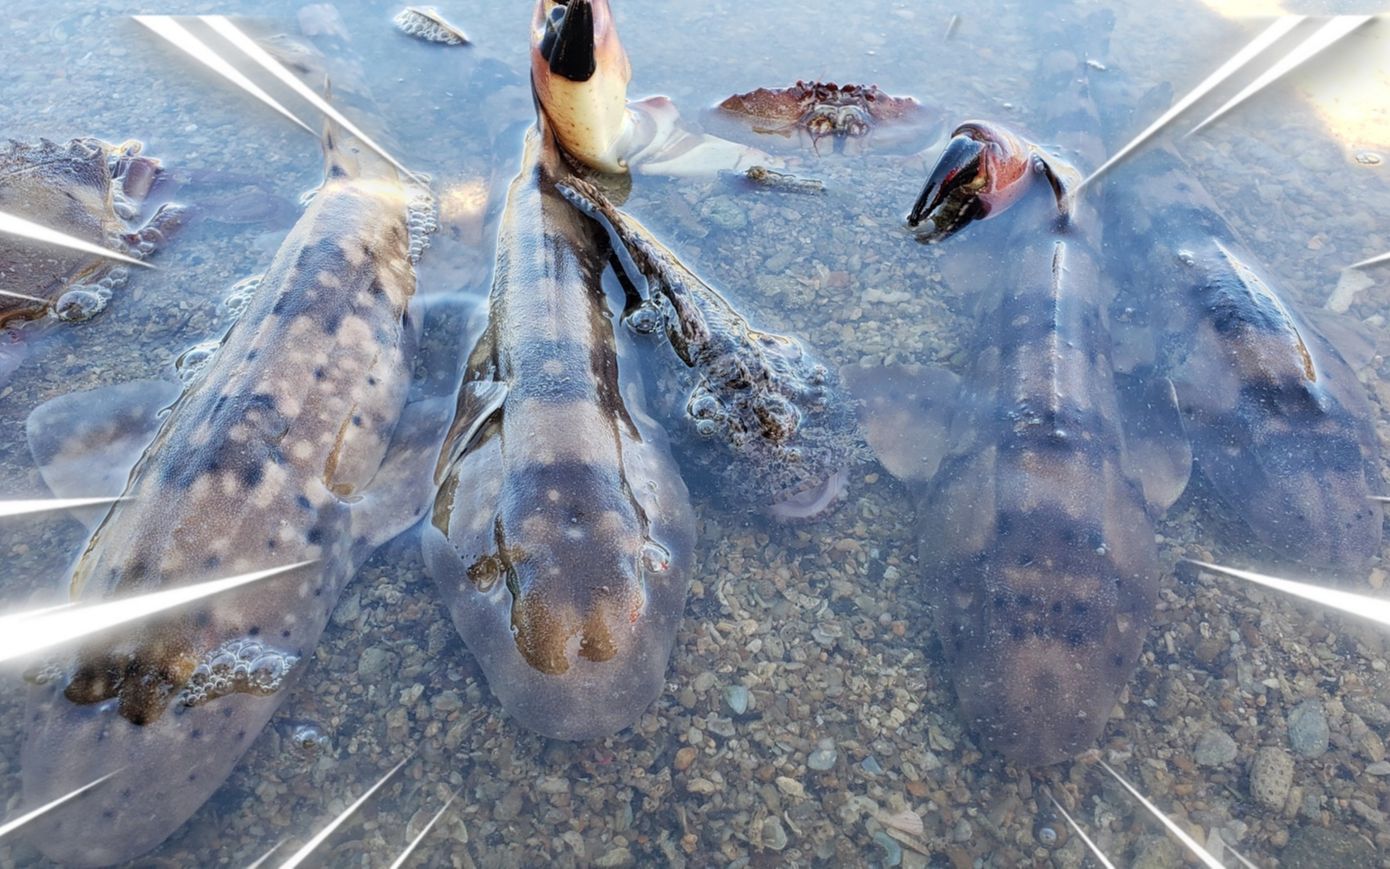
x=229 y=31
x=1197 y=850
x=1271 y=34
x=10 y=826
x=11 y=224
x=26 y=633
x=1095 y=849
x=1336 y=28
x=260 y=861
x=42 y=505
x=1375 y=260
x=303 y=853
x=414 y=843
x=177 y=35
x=1362 y=605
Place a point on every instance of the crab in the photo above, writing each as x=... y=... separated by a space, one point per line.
x=820 y=110
x=87 y=189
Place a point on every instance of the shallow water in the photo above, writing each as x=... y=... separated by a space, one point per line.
x=849 y=728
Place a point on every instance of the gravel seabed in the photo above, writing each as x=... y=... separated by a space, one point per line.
x=808 y=719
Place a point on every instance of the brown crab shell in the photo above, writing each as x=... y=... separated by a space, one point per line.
x=788 y=106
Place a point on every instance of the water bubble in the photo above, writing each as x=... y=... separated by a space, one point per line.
x=194 y=361
x=81 y=304
x=644 y=319
x=239 y=296
x=655 y=557
x=308 y=738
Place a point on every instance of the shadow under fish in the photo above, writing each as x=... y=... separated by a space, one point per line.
x=295 y=444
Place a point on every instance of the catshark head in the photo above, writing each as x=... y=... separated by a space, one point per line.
x=580 y=73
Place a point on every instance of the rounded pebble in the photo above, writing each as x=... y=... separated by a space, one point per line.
x=822 y=759
x=1308 y=730
x=1215 y=747
x=737 y=698
x=892 y=851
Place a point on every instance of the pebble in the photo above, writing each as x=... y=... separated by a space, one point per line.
x=724 y=212
x=684 y=758
x=1271 y=776
x=373 y=662
x=822 y=759
x=1308 y=730
x=962 y=832
x=774 y=836
x=871 y=766
x=1380 y=767
x=791 y=787
x=1215 y=747
x=446 y=702
x=892 y=851
x=737 y=698
x=703 y=682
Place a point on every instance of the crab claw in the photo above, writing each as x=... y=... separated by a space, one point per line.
x=984 y=169
x=580 y=74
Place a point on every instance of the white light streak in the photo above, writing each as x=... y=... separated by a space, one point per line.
x=232 y=34
x=12 y=224
x=1385 y=257
x=25 y=633
x=1362 y=605
x=410 y=849
x=10 y=826
x=1201 y=853
x=303 y=853
x=260 y=861
x=1095 y=849
x=166 y=27
x=1273 y=33
x=1336 y=28
x=43 y=505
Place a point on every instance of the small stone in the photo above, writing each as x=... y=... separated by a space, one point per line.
x=446 y=702
x=1271 y=776
x=1380 y=767
x=871 y=766
x=724 y=212
x=1215 y=747
x=614 y=858
x=684 y=758
x=774 y=837
x=791 y=787
x=892 y=851
x=703 y=682
x=702 y=786
x=822 y=759
x=373 y=662
x=962 y=832
x=1308 y=729
x=737 y=698
x=1372 y=747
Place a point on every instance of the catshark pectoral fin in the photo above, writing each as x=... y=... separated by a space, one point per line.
x=906 y=413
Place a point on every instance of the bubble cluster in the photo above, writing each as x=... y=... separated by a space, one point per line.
x=422 y=219
x=194 y=361
x=425 y=22
x=239 y=666
x=239 y=297
x=308 y=738
x=81 y=303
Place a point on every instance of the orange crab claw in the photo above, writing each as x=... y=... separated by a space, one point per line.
x=580 y=74
x=982 y=171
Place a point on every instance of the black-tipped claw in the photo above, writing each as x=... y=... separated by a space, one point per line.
x=572 y=51
x=957 y=166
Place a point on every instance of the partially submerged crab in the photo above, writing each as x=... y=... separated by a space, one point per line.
x=87 y=189
x=820 y=110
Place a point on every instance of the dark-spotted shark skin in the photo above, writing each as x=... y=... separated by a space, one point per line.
x=1035 y=531
x=769 y=422
x=1277 y=418
x=275 y=455
x=562 y=533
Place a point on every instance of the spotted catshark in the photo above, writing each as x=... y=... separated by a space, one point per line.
x=1034 y=518
x=1278 y=421
x=276 y=454
x=562 y=534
